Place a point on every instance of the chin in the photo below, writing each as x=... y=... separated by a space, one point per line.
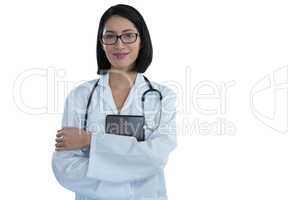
x=122 y=68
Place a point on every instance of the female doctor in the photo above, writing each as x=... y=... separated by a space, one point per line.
x=97 y=165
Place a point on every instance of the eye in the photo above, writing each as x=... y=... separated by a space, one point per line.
x=109 y=36
x=129 y=35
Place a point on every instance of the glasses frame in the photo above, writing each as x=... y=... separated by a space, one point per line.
x=120 y=36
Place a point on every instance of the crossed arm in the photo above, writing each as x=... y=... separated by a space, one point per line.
x=111 y=158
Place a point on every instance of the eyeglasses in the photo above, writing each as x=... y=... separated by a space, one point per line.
x=126 y=38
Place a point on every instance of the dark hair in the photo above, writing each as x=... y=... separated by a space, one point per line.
x=144 y=58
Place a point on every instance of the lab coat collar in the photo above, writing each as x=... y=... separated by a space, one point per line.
x=104 y=80
x=137 y=89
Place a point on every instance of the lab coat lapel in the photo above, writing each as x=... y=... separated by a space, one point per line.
x=132 y=102
x=106 y=96
x=133 y=99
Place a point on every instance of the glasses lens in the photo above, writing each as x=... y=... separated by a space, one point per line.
x=109 y=39
x=129 y=37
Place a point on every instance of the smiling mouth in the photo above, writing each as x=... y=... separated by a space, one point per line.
x=120 y=55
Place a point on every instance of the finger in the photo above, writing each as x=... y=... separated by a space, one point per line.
x=60 y=144
x=62 y=149
x=60 y=134
x=60 y=130
x=59 y=149
x=59 y=140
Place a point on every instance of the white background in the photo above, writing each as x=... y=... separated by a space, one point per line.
x=244 y=149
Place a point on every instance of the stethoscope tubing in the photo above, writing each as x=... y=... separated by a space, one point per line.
x=151 y=89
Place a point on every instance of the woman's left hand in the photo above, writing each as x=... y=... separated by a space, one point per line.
x=71 y=138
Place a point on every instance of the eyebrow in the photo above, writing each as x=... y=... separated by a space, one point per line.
x=126 y=30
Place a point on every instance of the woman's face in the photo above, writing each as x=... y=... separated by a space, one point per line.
x=121 y=55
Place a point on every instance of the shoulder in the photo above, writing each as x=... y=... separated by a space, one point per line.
x=169 y=100
x=82 y=90
x=169 y=96
x=165 y=90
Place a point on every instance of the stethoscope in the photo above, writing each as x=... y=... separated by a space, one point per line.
x=151 y=89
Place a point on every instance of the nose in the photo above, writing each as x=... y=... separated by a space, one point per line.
x=119 y=43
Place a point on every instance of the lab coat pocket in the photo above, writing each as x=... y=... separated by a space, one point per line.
x=110 y=190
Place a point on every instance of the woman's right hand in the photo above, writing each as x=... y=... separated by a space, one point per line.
x=72 y=138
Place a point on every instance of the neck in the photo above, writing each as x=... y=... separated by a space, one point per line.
x=121 y=79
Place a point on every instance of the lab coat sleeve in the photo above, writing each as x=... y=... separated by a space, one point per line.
x=118 y=158
x=70 y=167
x=70 y=170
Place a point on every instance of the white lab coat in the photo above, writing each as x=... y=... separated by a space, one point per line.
x=116 y=167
